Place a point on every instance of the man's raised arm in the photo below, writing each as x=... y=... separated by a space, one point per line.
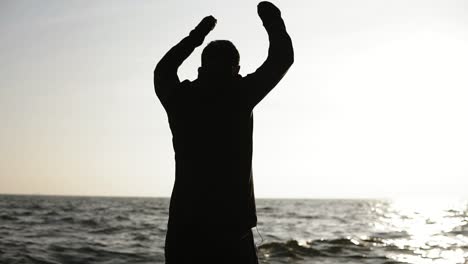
x=280 y=55
x=165 y=74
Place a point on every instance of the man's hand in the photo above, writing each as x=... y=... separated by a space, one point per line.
x=268 y=12
x=203 y=28
x=207 y=24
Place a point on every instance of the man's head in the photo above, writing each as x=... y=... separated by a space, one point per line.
x=220 y=58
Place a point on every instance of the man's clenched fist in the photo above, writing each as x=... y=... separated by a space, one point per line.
x=202 y=29
x=206 y=25
x=267 y=11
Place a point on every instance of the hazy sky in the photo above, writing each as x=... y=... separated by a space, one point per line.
x=375 y=104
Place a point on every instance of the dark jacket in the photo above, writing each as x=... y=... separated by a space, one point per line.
x=212 y=125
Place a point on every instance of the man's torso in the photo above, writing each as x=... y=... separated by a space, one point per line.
x=212 y=138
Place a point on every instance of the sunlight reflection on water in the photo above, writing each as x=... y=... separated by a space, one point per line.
x=428 y=229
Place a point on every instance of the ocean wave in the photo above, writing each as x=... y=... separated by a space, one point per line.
x=122 y=218
x=391 y=234
x=52 y=213
x=108 y=230
x=290 y=249
x=266 y=208
x=460 y=230
x=90 y=222
x=75 y=230
x=340 y=247
x=8 y=217
x=140 y=237
x=40 y=260
x=97 y=253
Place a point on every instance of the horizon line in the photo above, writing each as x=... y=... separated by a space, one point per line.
x=257 y=198
x=168 y=197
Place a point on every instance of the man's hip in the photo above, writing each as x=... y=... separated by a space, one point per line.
x=211 y=246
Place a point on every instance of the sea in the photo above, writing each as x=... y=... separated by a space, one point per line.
x=105 y=230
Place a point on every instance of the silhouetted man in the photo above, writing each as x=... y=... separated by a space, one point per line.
x=212 y=208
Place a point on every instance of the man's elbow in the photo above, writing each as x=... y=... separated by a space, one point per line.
x=287 y=56
x=156 y=81
x=158 y=73
x=290 y=60
x=290 y=53
x=157 y=70
x=287 y=61
x=159 y=91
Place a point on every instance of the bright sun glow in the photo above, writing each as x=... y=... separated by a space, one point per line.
x=419 y=224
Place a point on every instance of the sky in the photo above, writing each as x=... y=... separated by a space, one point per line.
x=374 y=106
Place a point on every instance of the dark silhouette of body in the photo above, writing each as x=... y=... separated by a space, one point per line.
x=212 y=208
